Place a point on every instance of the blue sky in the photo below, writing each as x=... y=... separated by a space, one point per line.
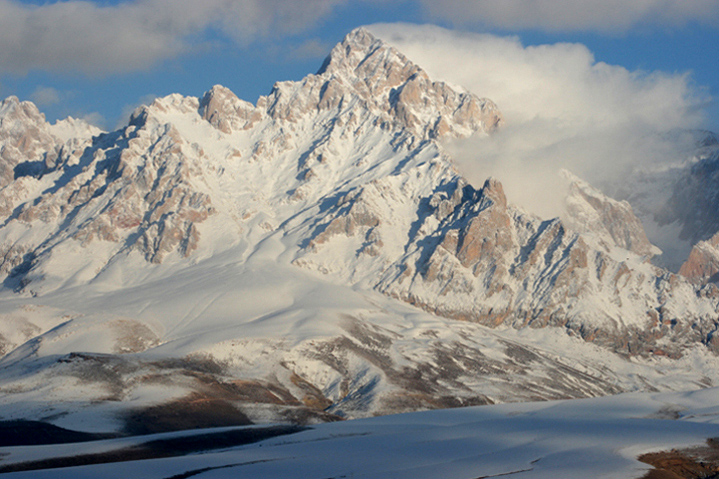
x=100 y=59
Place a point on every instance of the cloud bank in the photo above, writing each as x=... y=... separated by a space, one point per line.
x=575 y=15
x=563 y=109
x=45 y=96
x=100 y=38
x=97 y=39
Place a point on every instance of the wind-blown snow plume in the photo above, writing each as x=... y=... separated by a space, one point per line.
x=563 y=109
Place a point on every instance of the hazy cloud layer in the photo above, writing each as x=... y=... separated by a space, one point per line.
x=562 y=108
x=312 y=48
x=95 y=39
x=45 y=96
x=98 y=38
x=575 y=15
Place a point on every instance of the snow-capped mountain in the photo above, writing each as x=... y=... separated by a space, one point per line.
x=317 y=254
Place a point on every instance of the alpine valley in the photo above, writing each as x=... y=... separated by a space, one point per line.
x=317 y=256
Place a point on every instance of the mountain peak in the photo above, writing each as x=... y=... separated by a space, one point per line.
x=494 y=190
x=245 y=244
x=226 y=112
x=70 y=129
x=9 y=102
x=24 y=138
x=13 y=111
x=360 y=36
x=359 y=39
x=381 y=75
x=368 y=58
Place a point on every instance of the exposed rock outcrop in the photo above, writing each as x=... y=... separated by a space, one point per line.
x=702 y=265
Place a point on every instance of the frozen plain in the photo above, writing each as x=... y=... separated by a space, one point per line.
x=599 y=438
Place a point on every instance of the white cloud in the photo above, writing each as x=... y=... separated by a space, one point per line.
x=563 y=109
x=96 y=119
x=575 y=15
x=45 y=96
x=99 y=39
x=312 y=48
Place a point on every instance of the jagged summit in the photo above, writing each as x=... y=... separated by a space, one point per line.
x=223 y=110
x=14 y=113
x=362 y=72
x=702 y=265
x=378 y=71
x=373 y=62
x=23 y=135
x=156 y=167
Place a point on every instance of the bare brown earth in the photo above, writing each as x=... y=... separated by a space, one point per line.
x=693 y=463
x=193 y=412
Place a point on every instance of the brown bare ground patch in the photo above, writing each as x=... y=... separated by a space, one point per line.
x=313 y=397
x=191 y=412
x=692 y=463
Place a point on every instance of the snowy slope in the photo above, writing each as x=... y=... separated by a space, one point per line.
x=281 y=344
x=599 y=438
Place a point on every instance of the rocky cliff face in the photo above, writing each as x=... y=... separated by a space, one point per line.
x=702 y=265
x=613 y=223
x=693 y=204
x=208 y=227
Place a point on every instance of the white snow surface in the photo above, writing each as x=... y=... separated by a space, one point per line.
x=598 y=438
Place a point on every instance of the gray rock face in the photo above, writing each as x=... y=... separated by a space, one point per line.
x=695 y=196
